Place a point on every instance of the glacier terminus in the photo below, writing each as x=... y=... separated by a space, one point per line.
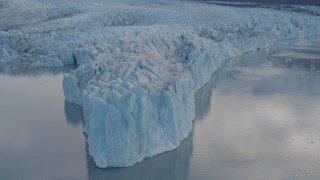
x=138 y=64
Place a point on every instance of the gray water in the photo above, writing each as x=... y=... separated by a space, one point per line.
x=257 y=118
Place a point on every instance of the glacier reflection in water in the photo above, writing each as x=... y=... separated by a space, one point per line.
x=170 y=165
x=257 y=118
x=263 y=120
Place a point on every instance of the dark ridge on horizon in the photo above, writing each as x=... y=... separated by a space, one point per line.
x=274 y=2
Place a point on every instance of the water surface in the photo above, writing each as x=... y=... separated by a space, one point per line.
x=263 y=118
x=257 y=118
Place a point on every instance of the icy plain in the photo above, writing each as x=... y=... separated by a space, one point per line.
x=139 y=63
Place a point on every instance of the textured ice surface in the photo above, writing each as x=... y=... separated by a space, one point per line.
x=140 y=63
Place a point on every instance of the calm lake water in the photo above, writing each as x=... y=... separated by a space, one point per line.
x=257 y=118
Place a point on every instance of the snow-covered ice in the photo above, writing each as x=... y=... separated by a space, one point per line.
x=140 y=62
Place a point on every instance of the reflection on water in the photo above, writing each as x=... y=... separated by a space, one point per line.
x=257 y=118
x=263 y=120
x=73 y=113
x=302 y=55
x=204 y=95
x=170 y=165
x=35 y=140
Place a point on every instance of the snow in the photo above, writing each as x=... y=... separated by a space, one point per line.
x=140 y=62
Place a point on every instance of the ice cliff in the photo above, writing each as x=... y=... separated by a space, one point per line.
x=139 y=64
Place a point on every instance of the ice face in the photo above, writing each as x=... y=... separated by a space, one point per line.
x=141 y=63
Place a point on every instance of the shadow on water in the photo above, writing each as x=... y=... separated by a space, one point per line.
x=203 y=97
x=169 y=165
x=73 y=113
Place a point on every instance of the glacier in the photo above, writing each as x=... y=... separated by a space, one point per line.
x=138 y=64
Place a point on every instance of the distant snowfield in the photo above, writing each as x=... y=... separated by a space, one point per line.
x=140 y=62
